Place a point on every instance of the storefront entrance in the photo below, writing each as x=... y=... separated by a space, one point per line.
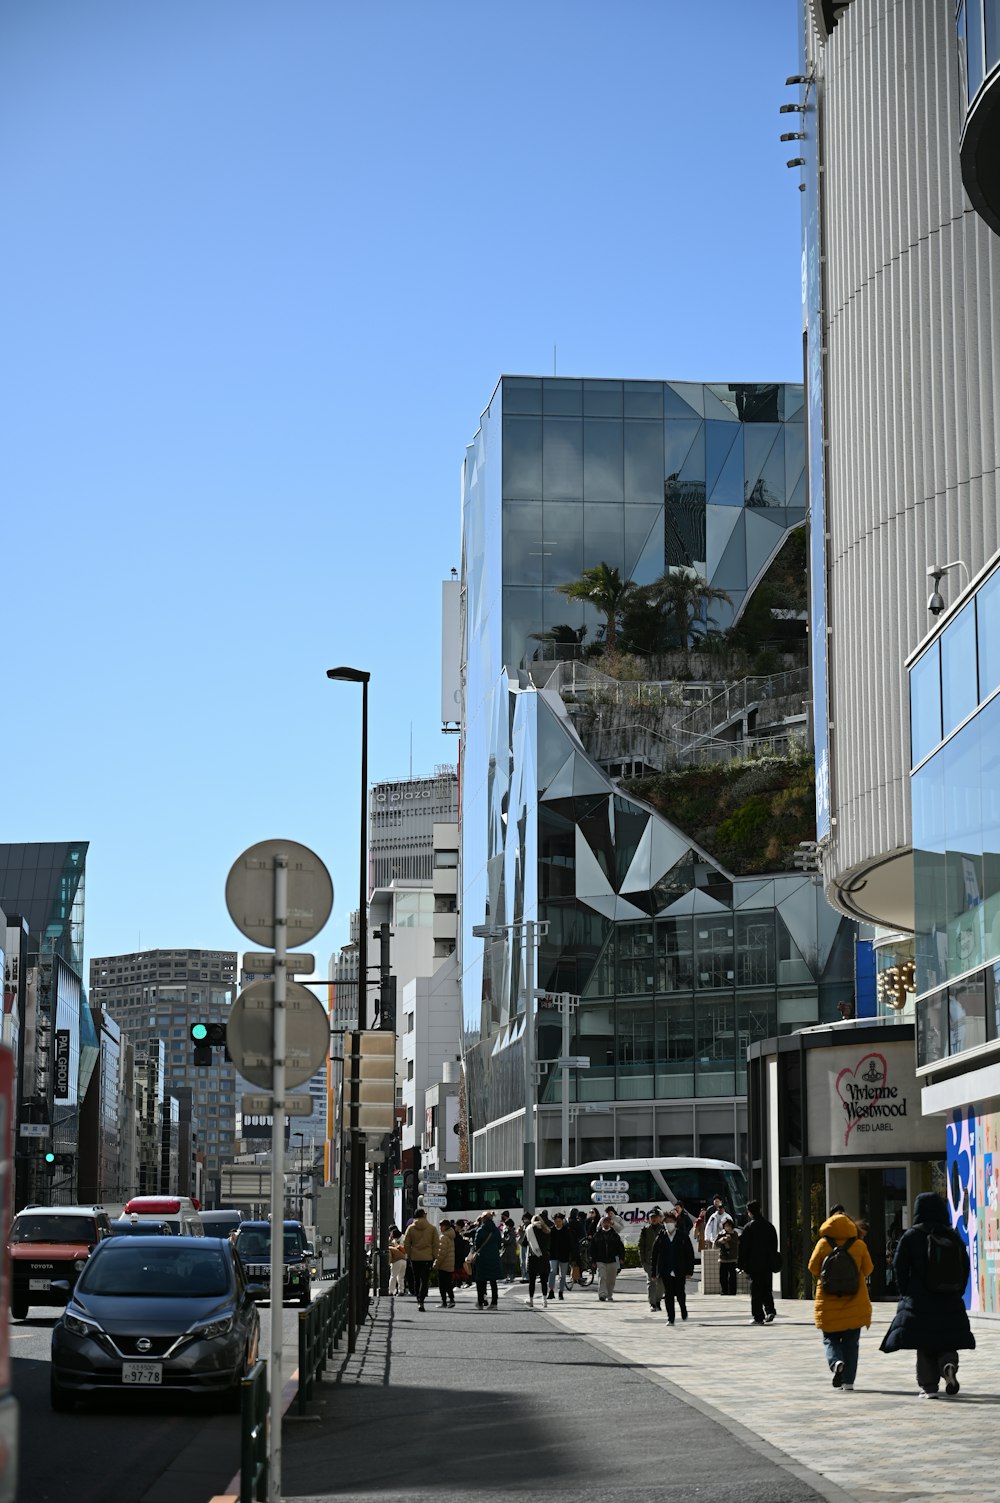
x=876 y=1195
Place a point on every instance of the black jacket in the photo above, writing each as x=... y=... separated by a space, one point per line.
x=674 y=1256
x=606 y=1247
x=758 y=1248
x=563 y=1246
x=924 y=1319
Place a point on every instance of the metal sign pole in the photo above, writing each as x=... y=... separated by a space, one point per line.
x=528 y=1193
x=277 y=1176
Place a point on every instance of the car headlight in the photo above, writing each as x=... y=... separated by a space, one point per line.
x=207 y=1329
x=81 y=1327
x=80 y=1265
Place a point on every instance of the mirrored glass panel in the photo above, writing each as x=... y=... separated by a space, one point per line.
x=562 y=459
x=988 y=634
x=925 y=704
x=959 y=695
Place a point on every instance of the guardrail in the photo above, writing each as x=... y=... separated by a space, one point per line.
x=253 y=1436
x=320 y=1330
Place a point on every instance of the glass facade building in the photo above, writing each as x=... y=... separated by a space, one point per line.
x=677 y=964
x=978 y=54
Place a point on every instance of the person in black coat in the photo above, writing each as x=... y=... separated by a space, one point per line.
x=674 y=1264
x=758 y=1258
x=933 y=1324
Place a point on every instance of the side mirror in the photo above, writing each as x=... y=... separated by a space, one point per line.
x=310 y=1250
x=61 y=1284
x=257 y=1291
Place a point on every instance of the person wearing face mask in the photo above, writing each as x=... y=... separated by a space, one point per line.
x=674 y=1264
x=606 y=1250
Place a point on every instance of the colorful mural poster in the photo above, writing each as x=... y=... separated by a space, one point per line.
x=974 y=1201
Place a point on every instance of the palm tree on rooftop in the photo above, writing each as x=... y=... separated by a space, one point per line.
x=604 y=587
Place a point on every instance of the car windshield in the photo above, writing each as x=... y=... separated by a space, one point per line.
x=140 y=1229
x=53 y=1229
x=254 y=1243
x=134 y=1270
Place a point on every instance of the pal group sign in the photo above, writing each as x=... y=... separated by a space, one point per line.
x=865 y=1102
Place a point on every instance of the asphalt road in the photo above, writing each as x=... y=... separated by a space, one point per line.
x=136 y=1448
x=458 y=1403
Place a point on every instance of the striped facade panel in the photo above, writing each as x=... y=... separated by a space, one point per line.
x=912 y=322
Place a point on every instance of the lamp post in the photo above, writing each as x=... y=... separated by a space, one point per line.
x=356 y=1253
x=533 y=932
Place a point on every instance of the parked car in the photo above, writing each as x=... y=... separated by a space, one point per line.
x=157 y=1315
x=138 y=1227
x=253 y=1243
x=221 y=1223
x=48 y=1247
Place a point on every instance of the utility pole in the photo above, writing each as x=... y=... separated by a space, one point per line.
x=387 y=1021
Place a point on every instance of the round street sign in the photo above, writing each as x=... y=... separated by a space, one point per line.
x=250 y=1028
x=250 y=893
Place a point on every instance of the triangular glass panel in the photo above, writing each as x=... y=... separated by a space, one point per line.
x=637 y=878
x=678 y=395
x=798 y=496
x=763 y=541
x=721 y=522
x=561 y=785
x=728 y=488
x=758 y=441
x=588 y=779
x=669 y=847
x=643 y=543
x=794 y=402
x=678 y=438
x=720 y=402
x=770 y=488
x=630 y=823
x=731 y=571
x=555 y=739
x=719 y=441
x=593 y=867
x=795 y=456
x=607 y=905
x=754 y=895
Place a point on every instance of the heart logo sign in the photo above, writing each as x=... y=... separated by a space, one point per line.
x=868 y=1100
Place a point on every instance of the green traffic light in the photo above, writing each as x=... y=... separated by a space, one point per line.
x=199 y=1032
x=50 y=1157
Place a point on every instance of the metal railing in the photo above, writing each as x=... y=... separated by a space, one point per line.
x=320 y=1330
x=253 y=1436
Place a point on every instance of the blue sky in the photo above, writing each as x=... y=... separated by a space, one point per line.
x=263 y=266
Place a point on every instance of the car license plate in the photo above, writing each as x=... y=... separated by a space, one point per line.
x=144 y=1374
x=39 y=1284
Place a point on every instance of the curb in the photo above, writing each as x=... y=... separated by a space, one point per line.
x=288 y=1393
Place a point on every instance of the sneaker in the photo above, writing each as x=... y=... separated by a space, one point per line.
x=769 y=1318
x=560 y=1294
x=531 y=1300
x=493 y=1304
x=927 y=1393
x=684 y=1315
x=420 y=1305
x=602 y=1298
x=838 y=1375
x=950 y=1377
x=847 y=1388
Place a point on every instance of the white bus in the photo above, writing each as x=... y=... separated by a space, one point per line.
x=651 y=1182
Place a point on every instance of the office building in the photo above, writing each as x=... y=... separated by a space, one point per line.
x=402 y=813
x=155 y=995
x=678 y=963
x=902 y=284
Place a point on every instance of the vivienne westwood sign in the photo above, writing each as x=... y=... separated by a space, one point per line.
x=865 y=1100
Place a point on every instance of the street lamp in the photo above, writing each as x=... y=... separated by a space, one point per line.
x=356 y=1256
x=533 y=932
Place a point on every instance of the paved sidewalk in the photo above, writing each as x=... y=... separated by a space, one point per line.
x=879 y=1444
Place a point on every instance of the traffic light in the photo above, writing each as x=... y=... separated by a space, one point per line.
x=376 y=1080
x=58 y=1160
x=206 y=1037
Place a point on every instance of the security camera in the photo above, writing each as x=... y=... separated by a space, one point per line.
x=936 y=604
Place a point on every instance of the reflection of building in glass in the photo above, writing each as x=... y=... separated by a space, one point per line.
x=904 y=500
x=678 y=964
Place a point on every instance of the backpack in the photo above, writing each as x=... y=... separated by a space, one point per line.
x=839 y=1274
x=947 y=1264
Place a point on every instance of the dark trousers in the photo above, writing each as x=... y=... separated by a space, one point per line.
x=421 y=1278
x=761 y=1296
x=930 y=1367
x=446 y=1280
x=727 y=1277
x=538 y=1268
x=673 y=1288
x=481 y=1292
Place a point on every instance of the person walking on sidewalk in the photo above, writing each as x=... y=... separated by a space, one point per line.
x=397 y=1261
x=674 y=1264
x=648 y=1238
x=607 y=1250
x=522 y=1242
x=728 y=1245
x=931 y=1265
x=758 y=1258
x=445 y=1265
x=537 y=1238
x=488 y=1267
x=510 y=1253
x=421 y=1244
x=840 y=1264
x=563 y=1253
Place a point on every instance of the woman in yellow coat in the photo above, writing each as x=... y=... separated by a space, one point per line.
x=840 y=1315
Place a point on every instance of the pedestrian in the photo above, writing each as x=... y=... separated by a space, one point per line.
x=713 y=1221
x=685 y=1223
x=487 y=1268
x=648 y=1238
x=445 y=1265
x=510 y=1255
x=728 y=1244
x=607 y=1252
x=563 y=1253
x=463 y=1247
x=843 y=1304
x=699 y=1227
x=522 y=1233
x=931 y=1268
x=593 y=1221
x=674 y=1264
x=537 y=1238
x=758 y=1258
x=421 y=1244
x=397 y=1261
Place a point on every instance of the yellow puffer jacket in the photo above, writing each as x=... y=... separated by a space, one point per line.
x=842 y=1312
x=421 y=1241
x=445 y=1259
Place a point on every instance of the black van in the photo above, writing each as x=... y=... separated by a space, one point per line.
x=253 y=1243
